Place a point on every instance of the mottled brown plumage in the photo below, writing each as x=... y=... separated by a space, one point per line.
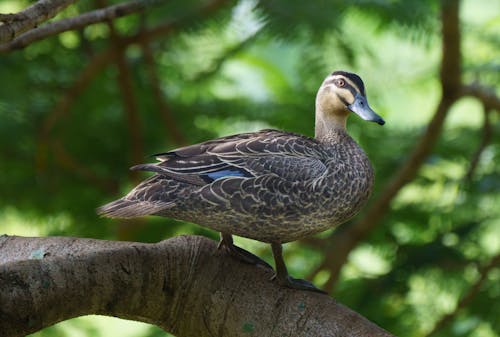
x=272 y=186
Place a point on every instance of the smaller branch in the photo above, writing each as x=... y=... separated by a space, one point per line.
x=486 y=95
x=78 y=22
x=166 y=114
x=474 y=289
x=86 y=76
x=101 y=60
x=314 y=242
x=8 y=18
x=100 y=16
x=346 y=238
x=98 y=62
x=219 y=62
x=170 y=26
x=41 y=11
x=485 y=140
x=67 y=161
x=63 y=106
x=125 y=85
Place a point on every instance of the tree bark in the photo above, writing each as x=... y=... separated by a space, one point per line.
x=183 y=285
x=29 y=18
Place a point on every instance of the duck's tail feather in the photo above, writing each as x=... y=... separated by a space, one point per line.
x=125 y=208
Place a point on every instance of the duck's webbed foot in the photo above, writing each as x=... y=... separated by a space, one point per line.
x=286 y=280
x=226 y=243
x=296 y=283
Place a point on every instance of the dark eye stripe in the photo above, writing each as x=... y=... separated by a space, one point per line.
x=347 y=86
x=342 y=99
x=356 y=80
x=353 y=91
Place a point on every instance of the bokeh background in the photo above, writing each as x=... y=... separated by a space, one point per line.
x=79 y=108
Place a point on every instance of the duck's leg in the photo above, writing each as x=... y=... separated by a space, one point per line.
x=282 y=276
x=226 y=243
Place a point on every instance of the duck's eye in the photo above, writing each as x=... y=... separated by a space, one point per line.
x=340 y=83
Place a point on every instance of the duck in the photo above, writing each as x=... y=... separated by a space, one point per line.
x=272 y=186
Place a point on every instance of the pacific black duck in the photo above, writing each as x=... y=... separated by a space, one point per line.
x=272 y=186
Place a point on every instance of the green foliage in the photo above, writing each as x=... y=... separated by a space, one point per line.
x=252 y=65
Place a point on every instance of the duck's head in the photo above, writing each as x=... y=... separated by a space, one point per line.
x=340 y=94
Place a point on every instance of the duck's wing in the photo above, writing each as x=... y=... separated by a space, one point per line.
x=268 y=158
x=290 y=156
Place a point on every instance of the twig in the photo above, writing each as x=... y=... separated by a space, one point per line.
x=124 y=81
x=169 y=26
x=219 y=62
x=90 y=18
x=92 y=69
x=30 y=17
x=485 y=140
x=173 y=131
x=67 y=161
x=63 y=105
x=464 y=301
x=125 y=85
x=78 y=22
x=86 y=76
x=486 y=95
x=101 y=60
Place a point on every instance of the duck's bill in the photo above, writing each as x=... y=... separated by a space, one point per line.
x=361 y=108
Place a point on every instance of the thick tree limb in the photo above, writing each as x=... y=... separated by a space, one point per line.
x=183 y=285
x=30 y=17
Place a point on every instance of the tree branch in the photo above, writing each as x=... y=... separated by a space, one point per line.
x=170 y=26
x=78 y=22
x=347 y=237
x=65 y=160
x=46 y=141
x=98 y=62
x=102 y=15
x=125 y=85
x=41 y=11
x=182 y=285
x=486 y=95
x=165 y=112
x=486 y=138
x=219 y=62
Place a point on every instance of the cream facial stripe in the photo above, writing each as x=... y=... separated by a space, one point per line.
x=349 y=84
x=342 y=99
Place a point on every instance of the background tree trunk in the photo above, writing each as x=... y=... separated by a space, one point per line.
x=183 y=285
